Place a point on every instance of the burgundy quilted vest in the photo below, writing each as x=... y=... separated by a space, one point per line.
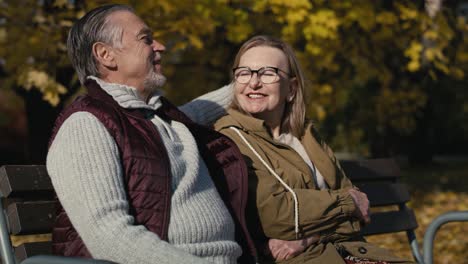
x=146 y=171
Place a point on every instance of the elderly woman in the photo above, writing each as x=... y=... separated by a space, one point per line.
x=301 y=205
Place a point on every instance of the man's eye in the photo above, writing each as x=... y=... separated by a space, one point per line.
x=244 y=73
x=148 y=39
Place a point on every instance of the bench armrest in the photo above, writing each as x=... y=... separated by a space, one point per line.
x=428 y=244
x=43 y=259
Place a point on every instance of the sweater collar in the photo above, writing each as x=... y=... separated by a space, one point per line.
x=127 y=96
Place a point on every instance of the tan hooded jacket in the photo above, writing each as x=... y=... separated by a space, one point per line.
x=270 y=212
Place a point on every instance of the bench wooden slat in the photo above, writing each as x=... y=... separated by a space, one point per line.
x=31 y=217
x=371 y=170
x=389 y=222
x=381 y=194
x=27 y=250
x=16 y=180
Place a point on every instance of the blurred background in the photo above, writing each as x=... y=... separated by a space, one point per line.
x=384 y=79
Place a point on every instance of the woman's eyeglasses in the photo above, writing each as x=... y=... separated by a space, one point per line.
x=266 y=75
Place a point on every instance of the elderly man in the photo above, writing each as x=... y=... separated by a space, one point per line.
x=137 y=180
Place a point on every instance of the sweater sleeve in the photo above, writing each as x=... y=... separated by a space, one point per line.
x=207 y=108
x=84 y=165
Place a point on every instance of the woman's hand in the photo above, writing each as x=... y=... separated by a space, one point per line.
x=283 y=249
x=362 y=205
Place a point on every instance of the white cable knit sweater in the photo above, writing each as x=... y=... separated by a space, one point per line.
x=84 y=165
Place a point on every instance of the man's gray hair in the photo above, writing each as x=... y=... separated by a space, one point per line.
x=91 y=28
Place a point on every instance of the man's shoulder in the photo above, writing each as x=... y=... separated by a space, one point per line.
x=88 y=103
x=101 y=110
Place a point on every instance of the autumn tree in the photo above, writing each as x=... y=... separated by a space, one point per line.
x=384 y=77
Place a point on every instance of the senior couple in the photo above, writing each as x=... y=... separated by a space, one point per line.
x=142 y=181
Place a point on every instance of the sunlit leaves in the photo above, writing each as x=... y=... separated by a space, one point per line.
x=343 y=46
x=400 y=108
x=239 y=29
x=414 y=54
x=50 y=89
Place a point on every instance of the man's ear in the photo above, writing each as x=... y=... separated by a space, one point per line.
x=104 y=55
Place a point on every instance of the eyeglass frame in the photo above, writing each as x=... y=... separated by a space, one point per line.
x=277 y=70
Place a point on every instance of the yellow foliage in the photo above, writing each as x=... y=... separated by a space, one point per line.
x=386 y=18
x=40 y=80
x=413 y=52
x=3 y=35
x=431 y=34
x=430 y=54
x=33 y=40
x=296 y=16
x=319 y=111
x=325 y=89
x=400 y=108
x=340 y=43
x=292 y=3
x=80 y=14
x=457 y=73
x=238 y=33
x=413 y=66
x=442 y=67
x=195 y=41
x=322 y=24
x=313 y=49
x=407 y=13
x=60 y=3
x=39 y=18
x=66 y=23
x=240 y=29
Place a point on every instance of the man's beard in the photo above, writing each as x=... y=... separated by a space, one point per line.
x=153 y=81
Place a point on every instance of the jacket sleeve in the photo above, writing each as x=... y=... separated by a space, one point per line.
x=320 y=211
x=206 y=109
x=84 y=165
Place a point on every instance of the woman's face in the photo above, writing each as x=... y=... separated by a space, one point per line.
x=264 y=101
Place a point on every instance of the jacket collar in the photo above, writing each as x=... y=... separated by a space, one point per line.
x=315 y=148
x=246 y=123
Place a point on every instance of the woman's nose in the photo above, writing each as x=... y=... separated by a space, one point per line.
x=255 y=82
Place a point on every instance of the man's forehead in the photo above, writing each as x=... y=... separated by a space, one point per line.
x=128 y=21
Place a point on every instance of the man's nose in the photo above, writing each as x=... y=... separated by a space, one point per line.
x=158 y=46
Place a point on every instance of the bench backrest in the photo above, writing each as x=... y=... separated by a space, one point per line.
x=28 y=196
x=379 y=179
x=28 y=205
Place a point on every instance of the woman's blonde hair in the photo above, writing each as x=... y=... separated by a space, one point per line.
x=294 y=113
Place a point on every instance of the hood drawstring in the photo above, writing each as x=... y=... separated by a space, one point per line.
x=296 y=202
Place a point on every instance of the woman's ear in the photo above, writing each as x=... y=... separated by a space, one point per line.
x=293 y=86
x=104 y=54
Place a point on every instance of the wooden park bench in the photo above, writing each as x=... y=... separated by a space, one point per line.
x=380 y=180
x=29 y=208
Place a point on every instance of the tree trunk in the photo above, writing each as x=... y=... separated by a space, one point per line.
x=41 y=117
